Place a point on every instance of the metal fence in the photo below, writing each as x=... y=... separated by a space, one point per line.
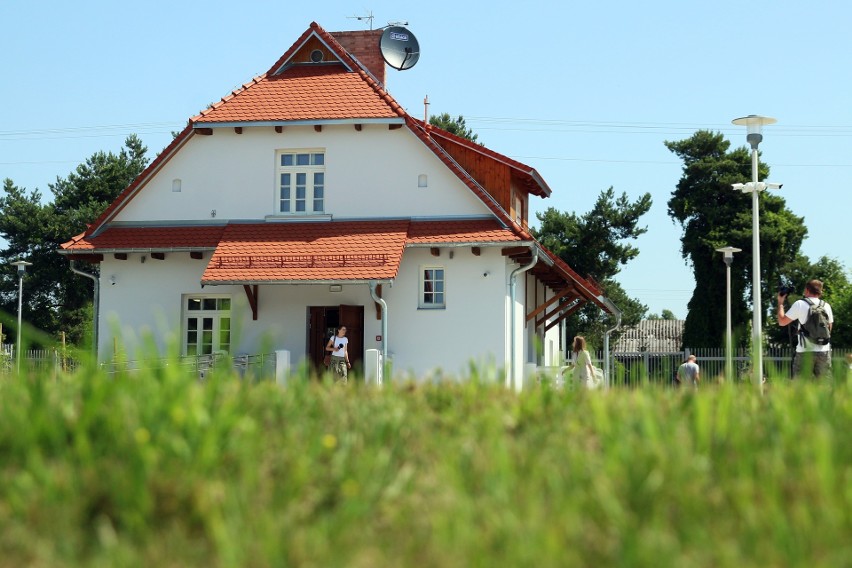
x=55 y=360
x=200 y=366
x=635 y=369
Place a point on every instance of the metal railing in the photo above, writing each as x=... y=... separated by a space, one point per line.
x=260 y=365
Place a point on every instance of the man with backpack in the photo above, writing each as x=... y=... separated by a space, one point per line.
x=815 y=318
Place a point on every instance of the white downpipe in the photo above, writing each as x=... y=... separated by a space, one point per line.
x=617 y=313
x=95 y=308
x=378 y=299
x=511 y=379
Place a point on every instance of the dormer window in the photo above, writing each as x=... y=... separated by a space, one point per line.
x=301 y=182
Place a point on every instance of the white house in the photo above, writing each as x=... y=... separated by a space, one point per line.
x=309 y=198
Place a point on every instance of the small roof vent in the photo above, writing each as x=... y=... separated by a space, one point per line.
x=317 y=56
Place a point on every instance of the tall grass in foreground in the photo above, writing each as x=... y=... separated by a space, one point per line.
x=159 y=470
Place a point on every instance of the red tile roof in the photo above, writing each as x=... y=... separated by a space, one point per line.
x=308 y=251
x=129 y=239
x=324 y=92
x=461 y=231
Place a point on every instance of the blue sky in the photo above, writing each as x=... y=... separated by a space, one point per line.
x=586 y=93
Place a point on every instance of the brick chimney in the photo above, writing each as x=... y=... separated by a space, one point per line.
x=364 y=46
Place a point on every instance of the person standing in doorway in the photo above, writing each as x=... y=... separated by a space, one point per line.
x=338 y=345
x=689 y=374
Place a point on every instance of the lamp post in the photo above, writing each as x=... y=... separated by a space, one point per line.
x=729 y=361
x=22 y=268
x=754 y=124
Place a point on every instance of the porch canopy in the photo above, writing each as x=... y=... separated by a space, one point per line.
x=307 y=252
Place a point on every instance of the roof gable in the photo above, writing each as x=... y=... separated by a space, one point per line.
x=315 y=79
x=312 y=50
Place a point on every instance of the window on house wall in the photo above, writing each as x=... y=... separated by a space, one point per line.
x=432 y=290
x=301 y=182
x=206 y=324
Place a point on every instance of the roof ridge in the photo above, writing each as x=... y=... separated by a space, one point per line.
x=365 y=75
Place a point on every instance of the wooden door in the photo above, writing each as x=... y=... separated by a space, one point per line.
x=324 y=320
x=353 y=318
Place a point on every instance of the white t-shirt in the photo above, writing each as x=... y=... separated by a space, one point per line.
x=341 y=352
x=799 y=311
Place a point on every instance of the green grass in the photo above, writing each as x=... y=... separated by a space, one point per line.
x=156 y=469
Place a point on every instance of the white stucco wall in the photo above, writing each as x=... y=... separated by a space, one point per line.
x=371 y=173
x=420 y=341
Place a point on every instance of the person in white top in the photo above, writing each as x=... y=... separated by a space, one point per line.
x=689 y=373
x=338 y=345
x=806 y=350
x=584 y=372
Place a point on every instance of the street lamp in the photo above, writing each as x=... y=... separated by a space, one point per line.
x=22 y=267
x=754 y=124
x=728 y=258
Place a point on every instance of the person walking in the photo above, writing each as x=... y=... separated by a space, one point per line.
x=584 y=372
x=338 y=345
x=813 y=347
x=689 y=373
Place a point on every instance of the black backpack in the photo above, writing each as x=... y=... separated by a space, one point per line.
x=815 y=328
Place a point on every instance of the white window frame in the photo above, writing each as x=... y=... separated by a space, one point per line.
x=213 y=317
x=300 y=186
x=434 y=286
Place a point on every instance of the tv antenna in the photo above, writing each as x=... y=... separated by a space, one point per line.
x=368 y=17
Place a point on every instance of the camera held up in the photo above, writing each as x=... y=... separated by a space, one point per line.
x=786 y=288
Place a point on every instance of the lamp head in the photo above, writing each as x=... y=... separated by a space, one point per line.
x=22 y=266
x=728 y=252
x=754 y=125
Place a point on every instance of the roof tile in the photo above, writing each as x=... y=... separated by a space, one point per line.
x=323 y=92
x=146 y=238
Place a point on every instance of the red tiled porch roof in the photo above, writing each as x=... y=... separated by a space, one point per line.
x=305 y=252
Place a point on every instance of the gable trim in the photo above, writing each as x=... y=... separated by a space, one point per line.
x=279 y=68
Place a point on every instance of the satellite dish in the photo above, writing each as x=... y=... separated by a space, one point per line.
x=399 y=48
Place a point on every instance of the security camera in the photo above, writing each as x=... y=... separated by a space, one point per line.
x=485 y=274
x=774 y=185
